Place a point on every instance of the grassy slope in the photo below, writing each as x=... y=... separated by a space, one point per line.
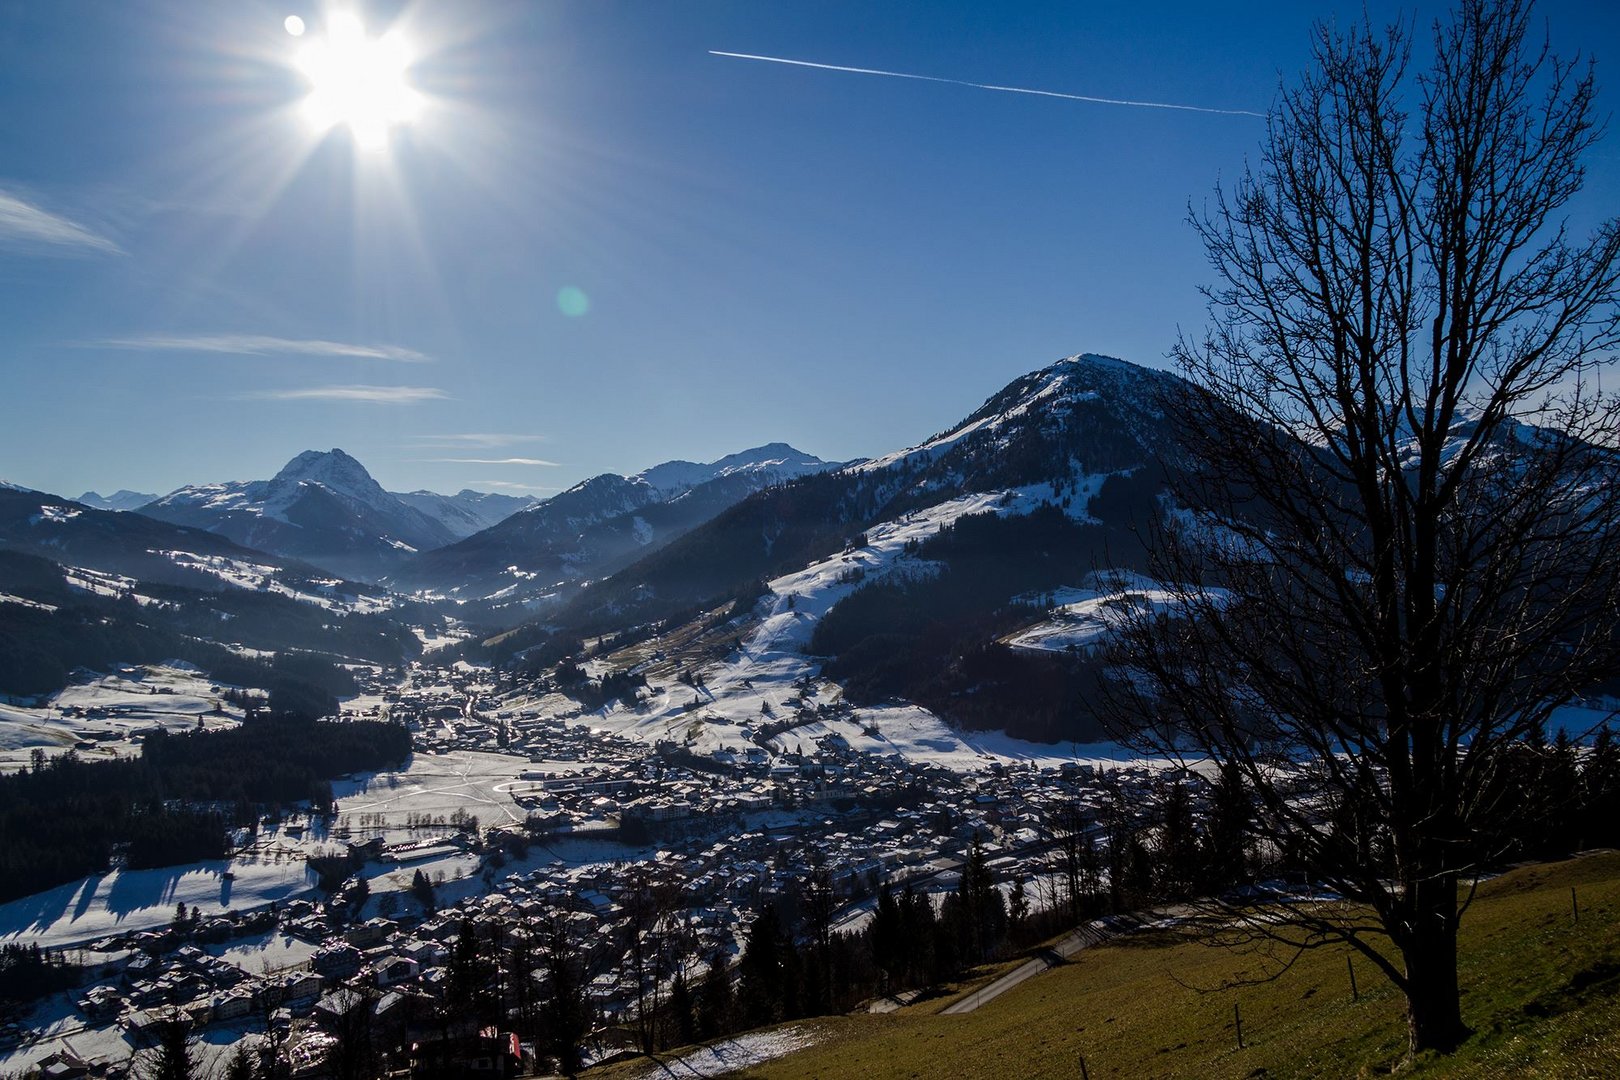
x=1542 y=993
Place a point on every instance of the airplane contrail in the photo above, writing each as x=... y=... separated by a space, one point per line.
x=988 y=86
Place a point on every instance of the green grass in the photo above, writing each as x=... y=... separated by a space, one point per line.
x=1541 y=992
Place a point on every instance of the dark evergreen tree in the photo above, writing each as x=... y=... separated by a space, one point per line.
x=239 y=1066
x=565 y=1013
x=888 y=939
x=173 y=1055
x=982 y=919
x=1226 y=838
x=763 y=988
x=1177 y=872
x=1017 y=910
x=682 y=1012
x=714 y=1010
x=1600 y=791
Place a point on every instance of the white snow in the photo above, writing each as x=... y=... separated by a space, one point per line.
x=7 y=598
x=730 y=1055
x=757 y=683
x=269 y=951
x=107 y=709
x=260 y=577
x=124 y=900
x=1082 y=618
x=779 y=460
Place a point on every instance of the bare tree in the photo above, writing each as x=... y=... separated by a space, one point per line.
x=1396 y=550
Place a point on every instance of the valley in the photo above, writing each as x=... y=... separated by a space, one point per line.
x=698 y=694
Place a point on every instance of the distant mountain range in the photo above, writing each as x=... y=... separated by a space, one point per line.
x=321 y=507
x=542 y=554
x=1026 y=496
x=325 y=509
x=122 y=499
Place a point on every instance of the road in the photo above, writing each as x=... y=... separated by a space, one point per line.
x=1092 y=933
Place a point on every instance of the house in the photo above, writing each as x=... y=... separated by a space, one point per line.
x=337 y=961
x=396 y=969
x=100 y=1003
x=232 y=1005
x=330 y=1010
x=369 y=933
x=488 y=1055
x=63 y=1065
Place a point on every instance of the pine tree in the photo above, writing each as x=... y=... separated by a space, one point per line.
x=887 y=938
x=1178 y=845
x=682 y=1010
x=1226 y=838
x=761 y=969
x=714 y=999
x=1017 y=909
x=174 y=1056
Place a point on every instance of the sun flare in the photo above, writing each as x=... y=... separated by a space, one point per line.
x=358 y=82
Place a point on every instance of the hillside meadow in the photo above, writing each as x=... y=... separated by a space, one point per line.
x=1541 y=991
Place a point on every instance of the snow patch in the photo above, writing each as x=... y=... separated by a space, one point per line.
x=738 y=1052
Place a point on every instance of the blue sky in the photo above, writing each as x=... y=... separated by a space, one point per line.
x=600 y=246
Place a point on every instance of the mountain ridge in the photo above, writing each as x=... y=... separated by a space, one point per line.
x=322 y=506
x=599 y=525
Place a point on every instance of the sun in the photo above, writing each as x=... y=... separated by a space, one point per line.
x=358 y=82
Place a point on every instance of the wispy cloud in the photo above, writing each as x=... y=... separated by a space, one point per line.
x=512 y=486
x=261 y=345
x=474 y=441
x=24 y=223
x=988 y=86
x=373 y=395
x=489 y=461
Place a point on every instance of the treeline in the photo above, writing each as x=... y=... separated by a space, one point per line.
x=28 y=973
x=66 y=817
x=1553 y=798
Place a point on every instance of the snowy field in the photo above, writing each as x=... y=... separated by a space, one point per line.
x=730 y=1055
x=1082 y=618
x=269 y=951
x=55 y=1024
x=107 y=708
x=275 y=870
x=125 y=900
x=379 y=804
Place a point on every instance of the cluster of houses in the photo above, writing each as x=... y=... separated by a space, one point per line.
x=722 y=833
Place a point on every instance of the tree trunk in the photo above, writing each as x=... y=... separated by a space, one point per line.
x=1433 y=1005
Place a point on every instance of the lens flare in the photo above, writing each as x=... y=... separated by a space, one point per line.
x=572 y=301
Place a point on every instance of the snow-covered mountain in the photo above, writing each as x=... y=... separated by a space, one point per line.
x=908 y=577
x=122 y=499
x=1069 y=427
x=779 y=461
x=82 y=587
x=598 y=526
x=1084 y=415
x=323 y=507
x=467 y=511
x=134 y=547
